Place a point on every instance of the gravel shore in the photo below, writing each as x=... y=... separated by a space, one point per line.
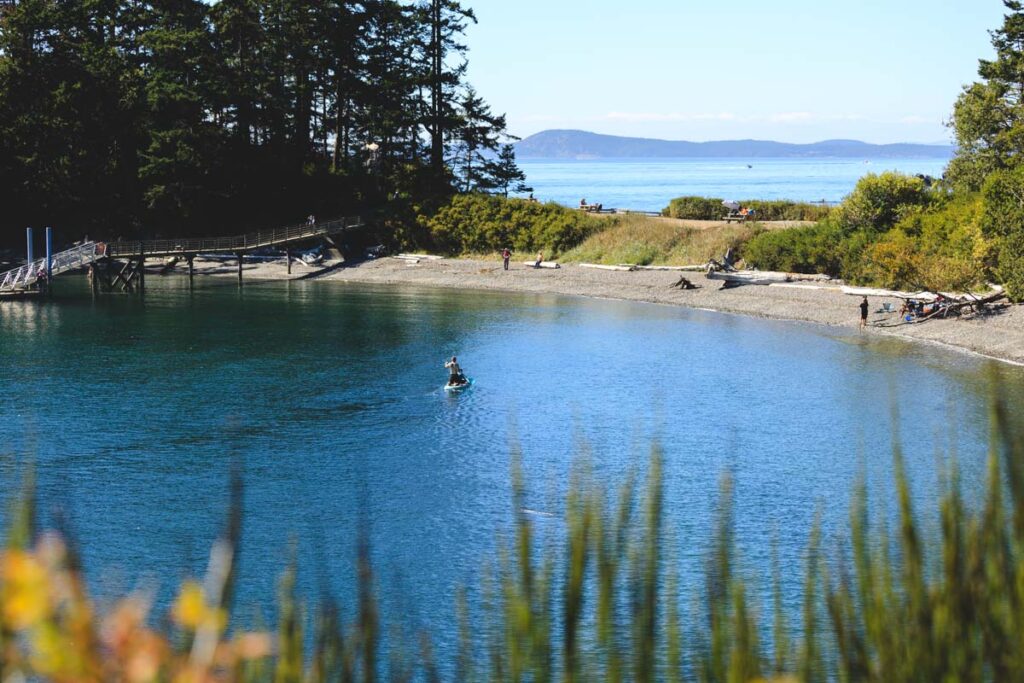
x=999 y=336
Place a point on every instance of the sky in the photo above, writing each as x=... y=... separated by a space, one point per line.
x=788 y=70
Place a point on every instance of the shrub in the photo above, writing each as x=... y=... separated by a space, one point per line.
x=482 y=223
x=695 y=208
x=879 y=201
x=811 y=249
x=1003 y=224
x=711 y=209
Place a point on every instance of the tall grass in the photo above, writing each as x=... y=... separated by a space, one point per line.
x=599 y=604
x=645 y=241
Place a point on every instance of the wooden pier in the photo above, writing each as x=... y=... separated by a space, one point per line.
x=120 y=265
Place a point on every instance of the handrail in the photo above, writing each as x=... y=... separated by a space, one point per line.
x=83 y=254
x=28 y=274
x=236 y=243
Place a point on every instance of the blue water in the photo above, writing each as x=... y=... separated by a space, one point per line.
x=649 y=184
x=330 y=396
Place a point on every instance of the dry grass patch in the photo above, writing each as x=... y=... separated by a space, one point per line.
x=644 y=240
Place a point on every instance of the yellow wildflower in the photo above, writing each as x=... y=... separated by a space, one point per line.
x=26 y=599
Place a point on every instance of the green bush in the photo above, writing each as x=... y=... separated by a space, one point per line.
x=811 y=249
x=1003 y=224
x=711 y=209
x=480 y=223
x=695 y=208
x=878 y=202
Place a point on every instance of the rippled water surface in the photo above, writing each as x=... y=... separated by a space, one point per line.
x=330 y=396
x=649 y=184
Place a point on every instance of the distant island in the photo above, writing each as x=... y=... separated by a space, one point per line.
x=581 y=144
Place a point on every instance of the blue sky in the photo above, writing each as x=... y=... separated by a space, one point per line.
x=789 y=70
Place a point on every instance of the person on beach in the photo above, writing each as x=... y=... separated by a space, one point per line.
x=455 y=376
x=864 y=313
x=540 y=259
x=505 y=256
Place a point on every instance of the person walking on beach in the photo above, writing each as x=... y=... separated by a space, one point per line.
x=864 y=313
x=505 y=256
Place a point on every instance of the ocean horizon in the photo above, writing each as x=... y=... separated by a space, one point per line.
x=650 y=184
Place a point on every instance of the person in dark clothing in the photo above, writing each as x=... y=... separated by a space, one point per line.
x=864 y=312
x=505 y=256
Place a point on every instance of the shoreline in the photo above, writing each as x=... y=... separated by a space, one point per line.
x=998 y=337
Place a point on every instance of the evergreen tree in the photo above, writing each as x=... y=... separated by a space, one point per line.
x=67 y=117
x=988 y=118
x=446 y=21
x=504 y=175
x=200 y=116
x=477 y=139
x=180 y=162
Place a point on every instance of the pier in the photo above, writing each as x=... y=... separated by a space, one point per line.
x=120 y=265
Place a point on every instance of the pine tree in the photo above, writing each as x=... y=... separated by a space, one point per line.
x=988 y=118
x=180 y=161
x=477 y=137
x=446 y=21
x=504 y=175
x=67 y=109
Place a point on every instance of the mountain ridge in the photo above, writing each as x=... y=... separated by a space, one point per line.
x=581 y=144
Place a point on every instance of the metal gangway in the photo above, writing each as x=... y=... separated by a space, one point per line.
x=25 y=277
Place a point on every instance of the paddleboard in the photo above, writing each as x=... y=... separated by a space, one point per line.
x=459 y=387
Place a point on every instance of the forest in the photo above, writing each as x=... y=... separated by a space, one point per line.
x=127 y=118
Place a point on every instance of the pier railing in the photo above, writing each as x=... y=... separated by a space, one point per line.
x=231 y=245
x=25 y=276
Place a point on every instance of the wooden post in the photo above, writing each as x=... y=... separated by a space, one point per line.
x=288 y=256
x=94 y=279
x=142 y=269
x=239 y=268
x=191 y=270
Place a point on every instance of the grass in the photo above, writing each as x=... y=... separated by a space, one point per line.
x=643 y=240
x=599 y=604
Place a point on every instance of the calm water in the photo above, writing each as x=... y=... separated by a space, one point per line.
x=649 y=184
x=330 y=394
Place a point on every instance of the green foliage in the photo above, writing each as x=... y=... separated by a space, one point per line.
x=121 y=117
x=1003 y=224
x=878 y=202
x=811 y=249
x=940 y=249
x=711 y=209
x=695 y=208
x=988 y=117
x=892 y=232
x=503 y=174
x=482 y=223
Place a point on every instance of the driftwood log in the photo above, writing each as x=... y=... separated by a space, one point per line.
x=683 y=283
x=955 y=306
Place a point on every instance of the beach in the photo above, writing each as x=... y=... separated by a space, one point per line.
x=999 y=336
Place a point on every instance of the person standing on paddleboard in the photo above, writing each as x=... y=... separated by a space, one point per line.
x=455 y=375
